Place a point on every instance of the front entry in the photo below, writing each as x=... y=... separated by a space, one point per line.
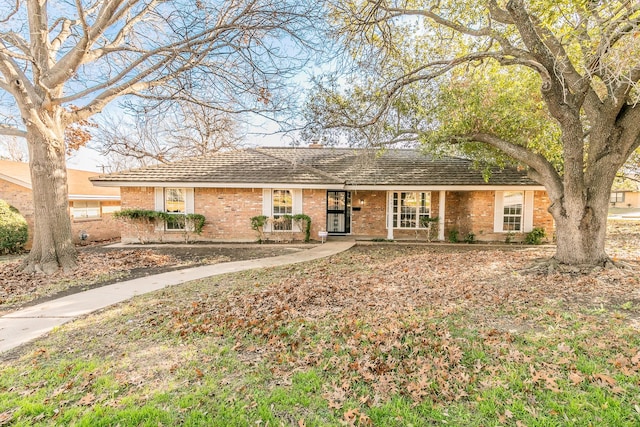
x=338 y=212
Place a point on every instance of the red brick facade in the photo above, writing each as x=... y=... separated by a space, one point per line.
x=99 y=229
x=228 y=214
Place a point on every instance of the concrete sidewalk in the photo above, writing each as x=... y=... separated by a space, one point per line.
x=24 y=325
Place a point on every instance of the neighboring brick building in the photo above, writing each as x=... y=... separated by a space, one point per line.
x=345 y=192
x=90 y=207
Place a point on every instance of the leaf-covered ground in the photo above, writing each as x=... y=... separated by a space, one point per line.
x=100 y=265
x=380 y=335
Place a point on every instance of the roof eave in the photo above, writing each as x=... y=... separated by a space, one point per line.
x=16 y=181
x=93 y=197
x=328 y=185
x=187 y=184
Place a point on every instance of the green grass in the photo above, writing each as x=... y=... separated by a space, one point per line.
x=232 y=351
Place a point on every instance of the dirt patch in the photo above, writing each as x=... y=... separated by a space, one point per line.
x=104 y=265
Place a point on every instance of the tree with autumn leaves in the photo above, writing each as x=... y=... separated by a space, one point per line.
x=63 y=62
x=550 y=86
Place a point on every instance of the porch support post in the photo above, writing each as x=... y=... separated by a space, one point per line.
x=389 y=215
x=442 y=194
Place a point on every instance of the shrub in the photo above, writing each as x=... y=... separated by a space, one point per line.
x=13 y=229
x=535 y=236
x=257 y=224
x=431 y=225
x=509 y=237
x=470 y=237
x=307 y=225
x=140 y=218
x=453 y=235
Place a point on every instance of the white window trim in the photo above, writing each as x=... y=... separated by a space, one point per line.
x=527 y=213
x=189 y=203
x=398 y=214
x=86 y=209
x=267 y=208
x=613 y=197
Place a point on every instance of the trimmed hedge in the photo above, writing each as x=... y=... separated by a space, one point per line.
x=13 y=229
x=188 y=224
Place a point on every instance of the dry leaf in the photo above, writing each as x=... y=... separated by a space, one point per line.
x=87 y=399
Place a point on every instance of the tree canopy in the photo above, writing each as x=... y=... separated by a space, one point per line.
x=62 y=62
x=549 y=85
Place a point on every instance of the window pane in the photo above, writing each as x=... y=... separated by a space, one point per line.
x=174 y=200
x=513 y=203
x=84 y=210
x=337 y=201
x=409 y=209
x=617 y=197
x=282 y=205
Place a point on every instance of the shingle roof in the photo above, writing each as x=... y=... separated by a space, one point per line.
x=320 y=166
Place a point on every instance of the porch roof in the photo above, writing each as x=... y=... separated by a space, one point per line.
x=317 y=167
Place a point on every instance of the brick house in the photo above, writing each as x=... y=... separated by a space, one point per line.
x=90 y=207
x=345 y=191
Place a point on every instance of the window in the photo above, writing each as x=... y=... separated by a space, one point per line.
x=174 y=203
x=410 y=209
x=85 y=210
x=617 y=197
x=110 y=209
x=282 y=202
x=512 y=211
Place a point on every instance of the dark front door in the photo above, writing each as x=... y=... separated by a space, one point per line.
x=338 y=212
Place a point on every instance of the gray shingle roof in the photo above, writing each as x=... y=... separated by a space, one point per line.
x=320 y=166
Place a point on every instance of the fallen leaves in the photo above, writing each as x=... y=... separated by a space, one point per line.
x=16 y=285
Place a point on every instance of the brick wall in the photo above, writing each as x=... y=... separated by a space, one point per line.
x=136 y=198
x=228 y=214
x=370 y=220
x=98 y=229
x=314 y=204
x=473 y=211
x=541 y=216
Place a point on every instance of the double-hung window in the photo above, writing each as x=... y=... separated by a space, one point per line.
x=282 y=204
x=85 y=209
x=175 y=204
x=512 y=211
x=411 y=209
x=617 y=197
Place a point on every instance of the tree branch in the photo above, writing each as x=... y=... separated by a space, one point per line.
x=12 y=131
x=544 y=169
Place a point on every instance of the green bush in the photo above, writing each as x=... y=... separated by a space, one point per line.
x=452 y=236
x=257 y=224
x=189 y=224
x=307 y=225
x=535 y=236
x=13 y=229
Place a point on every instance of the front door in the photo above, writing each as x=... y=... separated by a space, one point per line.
x=338 y=212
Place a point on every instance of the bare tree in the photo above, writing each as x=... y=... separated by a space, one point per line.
x=184 y=130
x=62 y=62
x=583 y=57
x=13 y=149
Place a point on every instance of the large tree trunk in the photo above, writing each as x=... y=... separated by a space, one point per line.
x=581 y=240
x=52 y=240
x=581 y=221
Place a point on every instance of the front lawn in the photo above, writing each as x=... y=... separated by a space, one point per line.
x=385 y=335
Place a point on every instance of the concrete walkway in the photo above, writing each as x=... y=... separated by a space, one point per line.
x=27 y=324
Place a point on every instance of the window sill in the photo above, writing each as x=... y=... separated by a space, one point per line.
x=87 y=219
